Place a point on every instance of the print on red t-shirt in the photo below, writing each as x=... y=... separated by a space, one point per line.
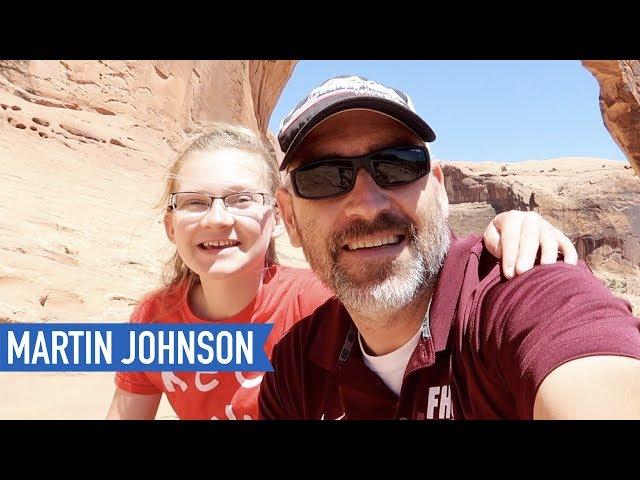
x=286 y=296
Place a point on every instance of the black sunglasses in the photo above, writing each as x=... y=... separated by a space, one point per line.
x=390 y=167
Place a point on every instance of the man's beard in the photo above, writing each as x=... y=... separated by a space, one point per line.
x=380 y=286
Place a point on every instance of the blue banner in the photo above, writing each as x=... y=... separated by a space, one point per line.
x=91 y=347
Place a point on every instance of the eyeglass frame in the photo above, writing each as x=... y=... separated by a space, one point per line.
x=173 y=207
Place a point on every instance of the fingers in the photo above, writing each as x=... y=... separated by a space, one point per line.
x=567 y=248
x=515 y=237
x=509 y=226
x=530 y=238
x=491 y=239
x=548 y=244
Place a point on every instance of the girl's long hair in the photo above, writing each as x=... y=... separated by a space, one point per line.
x=218 y=135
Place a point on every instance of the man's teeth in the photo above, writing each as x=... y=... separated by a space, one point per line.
x=390 y=240
x=222 y=243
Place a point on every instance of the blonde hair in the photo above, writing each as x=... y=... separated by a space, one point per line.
x=217 y=136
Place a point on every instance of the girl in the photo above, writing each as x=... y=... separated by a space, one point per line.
x=222 y=217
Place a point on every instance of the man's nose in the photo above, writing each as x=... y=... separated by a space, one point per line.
x=367 y=199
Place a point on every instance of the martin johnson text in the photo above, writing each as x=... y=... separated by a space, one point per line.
x=119 y=347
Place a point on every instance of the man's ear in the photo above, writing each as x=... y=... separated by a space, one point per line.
x=168 y=226
x=285 y=205
x=441 y=191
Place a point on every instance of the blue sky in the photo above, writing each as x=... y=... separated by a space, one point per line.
x=502 y=111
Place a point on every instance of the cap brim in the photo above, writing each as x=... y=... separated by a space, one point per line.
x=405 y=116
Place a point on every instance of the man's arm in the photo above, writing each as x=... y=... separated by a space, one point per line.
x=596 y=387
x=551 y=325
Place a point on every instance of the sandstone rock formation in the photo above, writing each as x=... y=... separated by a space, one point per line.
x=595 y=202
x=620 y=103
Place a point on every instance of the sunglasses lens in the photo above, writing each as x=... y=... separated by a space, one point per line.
x=400 y=165
x=323 y=179
x=393 y=166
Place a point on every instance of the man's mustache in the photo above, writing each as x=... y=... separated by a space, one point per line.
x=384 y=221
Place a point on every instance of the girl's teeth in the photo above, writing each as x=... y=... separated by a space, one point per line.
x=224 y=243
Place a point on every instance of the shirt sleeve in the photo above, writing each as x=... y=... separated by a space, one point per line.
x=135 y=382
x=549 y=316
x=138 y=382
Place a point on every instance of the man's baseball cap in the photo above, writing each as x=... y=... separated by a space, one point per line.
x=347 y=93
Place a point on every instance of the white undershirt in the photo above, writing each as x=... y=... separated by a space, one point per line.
x=391 y=367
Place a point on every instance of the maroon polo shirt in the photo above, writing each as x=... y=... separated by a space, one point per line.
x=509 y=335
x=490 y=344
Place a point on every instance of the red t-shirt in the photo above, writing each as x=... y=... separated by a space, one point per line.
x=286 y=296
x=491 y=344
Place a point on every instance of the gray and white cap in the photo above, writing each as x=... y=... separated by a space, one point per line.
x=347 y=93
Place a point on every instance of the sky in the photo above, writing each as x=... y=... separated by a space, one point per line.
x=501 y=111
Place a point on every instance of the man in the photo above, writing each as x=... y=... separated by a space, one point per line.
x=423 y=325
